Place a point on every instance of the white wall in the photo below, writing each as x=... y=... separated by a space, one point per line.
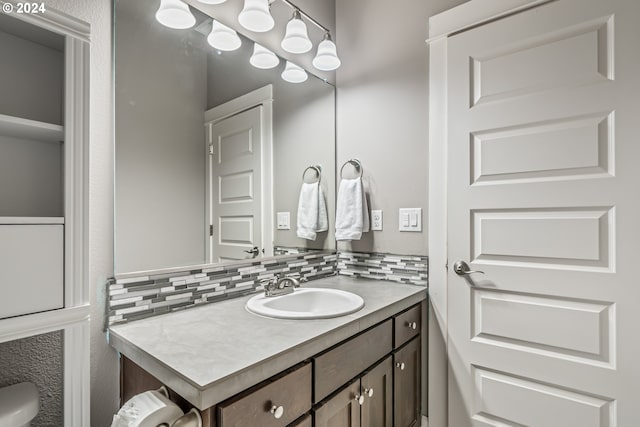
x=104 y=362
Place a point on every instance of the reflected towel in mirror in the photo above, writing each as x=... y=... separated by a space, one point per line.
x=312 y=211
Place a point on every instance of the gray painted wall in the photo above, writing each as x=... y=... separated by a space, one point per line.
x=37 y=359
x=159 y=168
x=382 y=113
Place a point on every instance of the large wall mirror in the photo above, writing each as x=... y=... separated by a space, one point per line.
x=209 y=148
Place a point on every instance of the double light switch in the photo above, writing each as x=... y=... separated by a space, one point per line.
x=410 y=219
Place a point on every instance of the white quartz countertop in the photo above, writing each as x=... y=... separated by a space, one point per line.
x=209 y=353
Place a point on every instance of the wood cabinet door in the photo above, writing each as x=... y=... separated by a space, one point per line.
x=342 y=410
x=377 y=388
x=406 y=384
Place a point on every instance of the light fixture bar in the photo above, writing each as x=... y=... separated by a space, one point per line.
x=309 y=18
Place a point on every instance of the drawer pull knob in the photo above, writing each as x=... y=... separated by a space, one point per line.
x=412 y=325
x=400 y=365
x=368 y=392
x=359 y=398
x=277 y=411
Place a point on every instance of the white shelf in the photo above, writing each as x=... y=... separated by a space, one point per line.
x=31 y=220
x=30 y=129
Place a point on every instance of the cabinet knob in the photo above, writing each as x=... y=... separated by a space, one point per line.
x=368 y=392
x=412 y=325
x=400 y=365
x=359 y=398
x=277 y=411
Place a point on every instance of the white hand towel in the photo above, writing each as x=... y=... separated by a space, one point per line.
x=352 y=213
x=323 y=216
x=312 y=211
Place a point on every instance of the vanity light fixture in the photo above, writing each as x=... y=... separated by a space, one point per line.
x=255 y=16
x=296 y=38
x=326 y=58
x=294 y=73
x=175 y=14
x=222 y=37
x=212 y=1
x=263 y=58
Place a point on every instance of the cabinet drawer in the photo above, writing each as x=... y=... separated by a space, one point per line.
x=406 y=325
x=344 y=362
x=31 y=268
x=292 y=392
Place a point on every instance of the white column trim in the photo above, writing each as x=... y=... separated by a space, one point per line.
x=77 y=375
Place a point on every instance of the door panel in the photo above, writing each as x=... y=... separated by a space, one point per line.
x=542 y=147
x=342 y=410
x=406 y=385
x=377 y=388
x=236 y=186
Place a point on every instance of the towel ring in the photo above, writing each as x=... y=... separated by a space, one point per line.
x=316 y=168
x=357 y=164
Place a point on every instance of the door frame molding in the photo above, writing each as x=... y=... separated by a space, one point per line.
x=260 y=97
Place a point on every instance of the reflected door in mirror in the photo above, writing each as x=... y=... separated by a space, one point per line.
x=236 y=182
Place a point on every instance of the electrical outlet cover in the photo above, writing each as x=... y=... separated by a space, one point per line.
x=376 y=220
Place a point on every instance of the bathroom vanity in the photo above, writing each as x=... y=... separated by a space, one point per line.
x=241 y=369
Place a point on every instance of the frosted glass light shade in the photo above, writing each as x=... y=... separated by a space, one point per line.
x=222 y=37
x=293 y=73
x=327 y=56
x=263 y=58
x=296 y=39
x=175 y=14
x=212 y=1
x=255 y=16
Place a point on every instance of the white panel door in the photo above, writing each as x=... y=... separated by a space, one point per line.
x=236 y=186
x=543 y=175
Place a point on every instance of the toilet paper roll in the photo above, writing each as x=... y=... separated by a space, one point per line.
x=148 y=409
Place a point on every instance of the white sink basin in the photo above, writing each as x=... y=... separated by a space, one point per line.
x=307 y=303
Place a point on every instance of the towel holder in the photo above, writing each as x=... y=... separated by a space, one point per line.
x=316 y=168
x=356 y=163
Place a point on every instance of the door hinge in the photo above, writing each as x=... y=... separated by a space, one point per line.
x=211 y=149
x=446 y=265
x=211 y=230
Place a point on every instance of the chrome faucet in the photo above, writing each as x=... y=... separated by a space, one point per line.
x=281 y=285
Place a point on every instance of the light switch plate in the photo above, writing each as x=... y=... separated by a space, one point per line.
x=376 y=220
x=283 y=221
x=410 y=219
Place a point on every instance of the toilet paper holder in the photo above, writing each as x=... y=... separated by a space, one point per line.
x=190 y=419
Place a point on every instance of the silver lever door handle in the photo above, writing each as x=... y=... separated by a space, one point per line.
x=461 y=268
x=255 y=251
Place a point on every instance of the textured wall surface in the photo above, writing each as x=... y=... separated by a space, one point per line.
x=38 y=360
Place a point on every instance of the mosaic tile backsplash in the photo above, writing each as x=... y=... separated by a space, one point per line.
x=134 y=298
x=410 y=269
